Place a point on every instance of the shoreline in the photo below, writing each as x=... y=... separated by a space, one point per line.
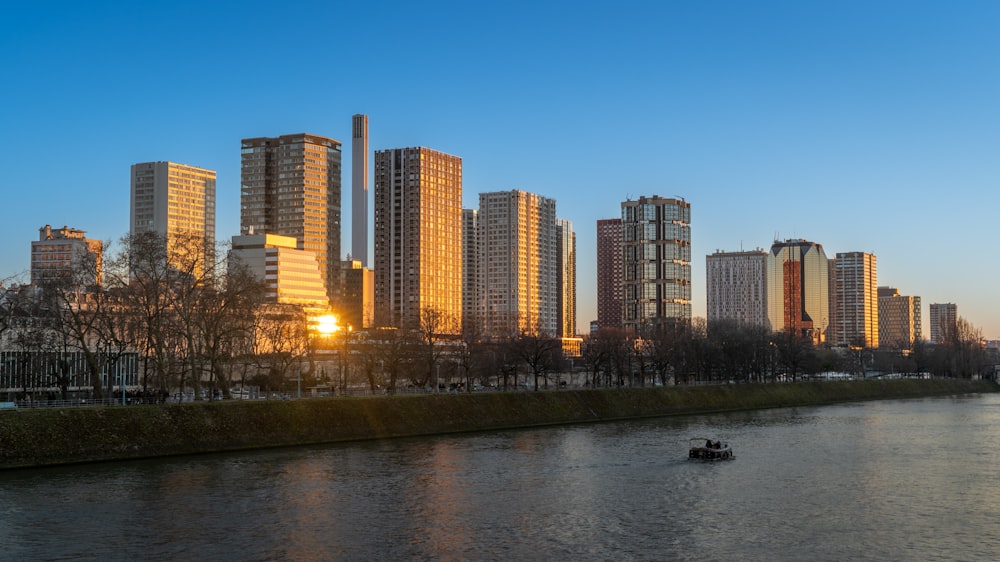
x=51 y=437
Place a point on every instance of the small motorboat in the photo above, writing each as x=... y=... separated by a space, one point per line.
x=704 y=449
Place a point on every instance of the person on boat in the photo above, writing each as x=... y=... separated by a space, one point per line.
x=708 y=443
x=716 y=445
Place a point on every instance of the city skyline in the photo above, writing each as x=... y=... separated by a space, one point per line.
x=863 y=128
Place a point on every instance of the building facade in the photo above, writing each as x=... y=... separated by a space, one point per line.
x=355 y=301
x=737 y=287
x=855 y=305
x=66 y=256
x=944 y=320
x=174 y=201
x=290 y=186
x=566 y=277
x=418 y=236
x=359 y=188
x=609 y=273
x=899 y=323
x=470 y=280
x=517 y=264
x=798 y=298
x=656 y=261
x=290 y=275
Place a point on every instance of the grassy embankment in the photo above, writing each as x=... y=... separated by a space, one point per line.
x=50 y=437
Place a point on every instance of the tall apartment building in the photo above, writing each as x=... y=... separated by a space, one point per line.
x=67 y=256
x=470 y=279
x=290 y=275
x=418 y=236
x=944 y=319
x=737 y=287
x=854 y=302
x=517 y=264
x=290 y=185
x=174 y=200
x=359 y=188
x=566 y=278
x=798 y=289
x=656 y=261
x=898 y=319
x=609 y=273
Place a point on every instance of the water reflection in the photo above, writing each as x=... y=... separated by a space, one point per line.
x=878 y=480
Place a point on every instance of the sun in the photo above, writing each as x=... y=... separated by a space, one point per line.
x=327 y=324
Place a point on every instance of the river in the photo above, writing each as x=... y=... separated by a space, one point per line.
x=886 y=480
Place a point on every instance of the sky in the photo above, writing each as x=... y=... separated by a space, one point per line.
x=863 y=126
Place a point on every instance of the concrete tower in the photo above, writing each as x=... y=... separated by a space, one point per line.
x=359 y=189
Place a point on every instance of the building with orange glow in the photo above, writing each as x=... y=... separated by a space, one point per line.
x=899 y=323
x=290 y=275
x=798 y=299
x=418 y=237
x=174 y=200
x=67 y=256
x=355 y=300
x=854 y=316
x=517 y=264
x=290 y=186
x=566 y=277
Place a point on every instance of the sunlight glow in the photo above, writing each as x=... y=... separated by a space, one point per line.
x=327 y=324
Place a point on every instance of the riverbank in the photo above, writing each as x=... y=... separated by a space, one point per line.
x=51 y=437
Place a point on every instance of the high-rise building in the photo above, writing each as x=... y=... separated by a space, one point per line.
x=855 y=318
x=566 y=277
x=290 y=275
x=517 y=264
x=737 y=287
x=65 y=256
x=355 y=302
x=609 y=273
x=898 y=319
x=798 y=289
x=175 y=201
x=470 y=280
x=944 y=320
x=290 y=185
x=656 y=261
x=418 y=237
x=359 y=188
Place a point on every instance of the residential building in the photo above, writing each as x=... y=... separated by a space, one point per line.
x=798 y=289
x=66 y=256
x=470 y=280
x=355 y=302
x=566 y=278
x=656 y=261
x=359 y=188
x=517 y=264
x=609 y=273
x=290 y=275
x=418 y=237
x=737 y=287
x=944 y=320
x=898 y=319
x=854 y=320
x=177 y=202
x=290 y=186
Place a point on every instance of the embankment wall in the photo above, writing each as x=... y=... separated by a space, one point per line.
x=41 y=437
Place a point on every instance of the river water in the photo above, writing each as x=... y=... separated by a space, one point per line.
x=889 y=480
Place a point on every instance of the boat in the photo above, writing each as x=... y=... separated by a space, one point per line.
x=709 y=450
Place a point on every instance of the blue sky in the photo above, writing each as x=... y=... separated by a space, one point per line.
x=864 y=126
